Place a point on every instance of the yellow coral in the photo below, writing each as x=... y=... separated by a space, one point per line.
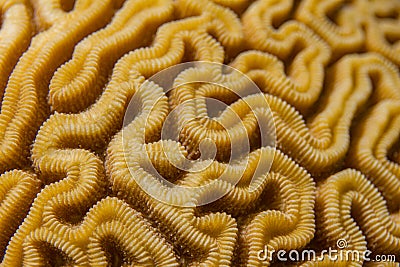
x=371 y=150
x=382 y=26
x=23 y=108
x=79 y=82
x=347 y=195
x=338 y=22
x=15 y=34
x=270 y=169
x=17 y=191
x=304 y=54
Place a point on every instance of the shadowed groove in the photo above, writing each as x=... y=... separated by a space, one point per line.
x=324 y=141
x=382 y=30
x=141 y=242
x=78 y=190
x=15 y=35
x=24 y=105
x=110 y=219
x=125 y=163
x=306 y=68
x=17 y=191
x=345 y=34
x=212 y=237
x=79 y=82
x=350 y=207
x=45 y=248
x=80 y=165
x=331 y=110
x=369 y=153
x=291 y=226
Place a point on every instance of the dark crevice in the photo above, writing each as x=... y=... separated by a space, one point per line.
x=114 y=254
x=387 y=14
x=278 y=21
x=288 y=60
x=334 y=13
x=392 y=39
x=67 y=5
x=54 y=257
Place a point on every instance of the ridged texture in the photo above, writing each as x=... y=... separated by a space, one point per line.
x=110 y=233
x=338 y=22
x=382 y=26
x=210 y=239
x=304 y=54
x=24 y=105
x=15 y=35
x=126 y=163
x=288 y=222
x=68 y=198
x=321 y=144
x=349 y=207
x=233 y=128
x=352 y=26
x=372 y=150
x=17 y=191
x=79 y=82
x=81 y=183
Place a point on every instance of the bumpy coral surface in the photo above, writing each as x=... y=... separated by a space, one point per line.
x=83 y=185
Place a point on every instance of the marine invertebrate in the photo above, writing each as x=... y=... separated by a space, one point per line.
x=76 y=192
x=110 y=221
x=95 y=56
x=17 y=191
x=115 y=221
x=23 y=108
x=128 y=168
x=133 y=180
x=212 y=236
x=346 y=195
x=338 y=22
x=15 y=33
x=324 y=141
x=288 y=223
x=381 y=29
x=371 y=152
x=296 y=45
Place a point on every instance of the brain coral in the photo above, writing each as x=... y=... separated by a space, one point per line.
x=89 y=178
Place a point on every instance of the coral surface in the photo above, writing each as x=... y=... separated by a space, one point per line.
x=89 y=178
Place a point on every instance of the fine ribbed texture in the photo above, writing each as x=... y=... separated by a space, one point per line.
x=102 y=165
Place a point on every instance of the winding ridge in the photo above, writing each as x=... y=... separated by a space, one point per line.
x=89 y=178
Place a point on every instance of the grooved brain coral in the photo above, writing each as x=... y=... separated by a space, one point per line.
x=82 y=186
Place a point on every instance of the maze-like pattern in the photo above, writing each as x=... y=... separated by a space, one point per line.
x=76 y=188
